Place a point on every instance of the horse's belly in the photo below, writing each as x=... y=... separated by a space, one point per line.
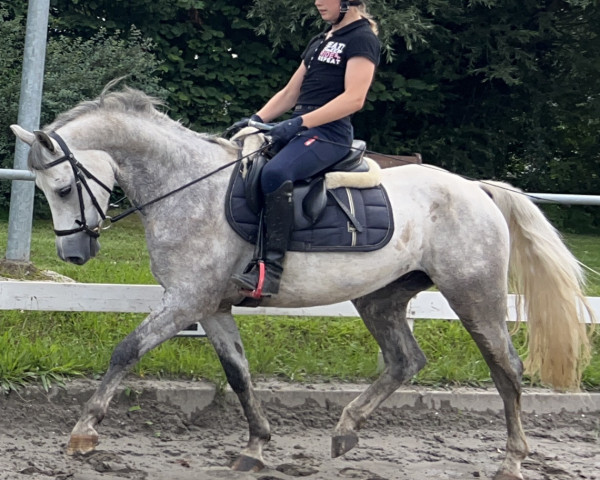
x=327 y=278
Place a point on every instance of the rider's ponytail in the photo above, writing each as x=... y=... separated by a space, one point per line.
x=362 y=8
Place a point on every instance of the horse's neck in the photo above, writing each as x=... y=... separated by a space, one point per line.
x=154 y=158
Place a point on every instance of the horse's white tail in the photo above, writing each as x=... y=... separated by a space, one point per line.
x=550 y=278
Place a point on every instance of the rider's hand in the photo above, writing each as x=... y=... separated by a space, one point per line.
x=243 y=123
x=283 y=132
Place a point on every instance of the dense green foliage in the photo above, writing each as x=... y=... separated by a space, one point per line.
x=486 y=88
x=49 y=346
x=215 y=67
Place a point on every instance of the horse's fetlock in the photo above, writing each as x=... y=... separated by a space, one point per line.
x=353 y=419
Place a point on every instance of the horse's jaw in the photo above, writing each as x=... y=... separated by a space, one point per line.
x=77 y=248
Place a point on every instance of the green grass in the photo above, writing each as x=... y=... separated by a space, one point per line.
x=123 y=257
x=46 y=347
x=587 y=250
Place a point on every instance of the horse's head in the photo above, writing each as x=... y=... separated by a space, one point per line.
x=77 y=186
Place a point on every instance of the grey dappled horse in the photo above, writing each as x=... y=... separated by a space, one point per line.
x=450 y=232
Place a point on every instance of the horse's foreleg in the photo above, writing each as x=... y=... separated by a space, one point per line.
x=155 y=329
x=384 y=314
x=223 y=332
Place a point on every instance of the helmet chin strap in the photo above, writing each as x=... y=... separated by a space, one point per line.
x=344 y=7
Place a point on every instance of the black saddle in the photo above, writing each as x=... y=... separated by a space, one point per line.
x=324 y=220
x=311 y=190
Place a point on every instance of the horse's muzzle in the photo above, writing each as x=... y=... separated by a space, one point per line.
x=77 y=248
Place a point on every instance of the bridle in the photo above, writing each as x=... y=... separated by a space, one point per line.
x=81 y=175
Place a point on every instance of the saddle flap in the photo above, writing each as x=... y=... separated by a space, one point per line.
x=251 y=140
x=313 y=203
x=254 y=195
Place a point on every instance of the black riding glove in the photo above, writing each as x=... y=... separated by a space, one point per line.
x=283 y=132
x=243 y=123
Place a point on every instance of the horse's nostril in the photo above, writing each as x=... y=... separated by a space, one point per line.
x=76 y=260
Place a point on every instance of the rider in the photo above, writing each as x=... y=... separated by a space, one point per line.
x=330 y=85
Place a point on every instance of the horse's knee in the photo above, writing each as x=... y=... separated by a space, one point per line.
x=126 y=352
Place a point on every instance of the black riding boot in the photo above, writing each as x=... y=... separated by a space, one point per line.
x=278 y=218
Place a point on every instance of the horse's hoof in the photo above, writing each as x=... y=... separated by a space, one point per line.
x=244 y=463
x=340 y=444
x=81 y=444
x=507 y=476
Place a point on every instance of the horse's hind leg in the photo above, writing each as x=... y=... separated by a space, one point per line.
x=384 y=314
x=481 y=307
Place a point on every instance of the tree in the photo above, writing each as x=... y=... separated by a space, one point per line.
x=215 y=67
x=486 y=88
x=471 y=84
x=101 y=58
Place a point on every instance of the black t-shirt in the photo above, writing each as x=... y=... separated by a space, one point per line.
x=326 y=61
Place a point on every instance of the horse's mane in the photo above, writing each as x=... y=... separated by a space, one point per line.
x=129 y=100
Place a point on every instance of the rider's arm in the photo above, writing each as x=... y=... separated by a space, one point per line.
x=285 y=99
x=357 y=81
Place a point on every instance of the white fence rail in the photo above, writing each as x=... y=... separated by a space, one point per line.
x=97 y=297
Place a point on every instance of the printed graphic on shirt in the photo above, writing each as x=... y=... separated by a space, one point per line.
x=332 y=53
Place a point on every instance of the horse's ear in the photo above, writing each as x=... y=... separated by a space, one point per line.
x=23 y=134
x=44 y=140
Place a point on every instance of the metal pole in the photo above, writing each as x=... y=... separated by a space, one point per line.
x=30 y=102
x=7 y=174
x=565 y=199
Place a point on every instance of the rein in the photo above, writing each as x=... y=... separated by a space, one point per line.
x=81 y=175
x=177 y=190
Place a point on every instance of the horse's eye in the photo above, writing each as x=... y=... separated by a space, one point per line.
x=63 y=192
